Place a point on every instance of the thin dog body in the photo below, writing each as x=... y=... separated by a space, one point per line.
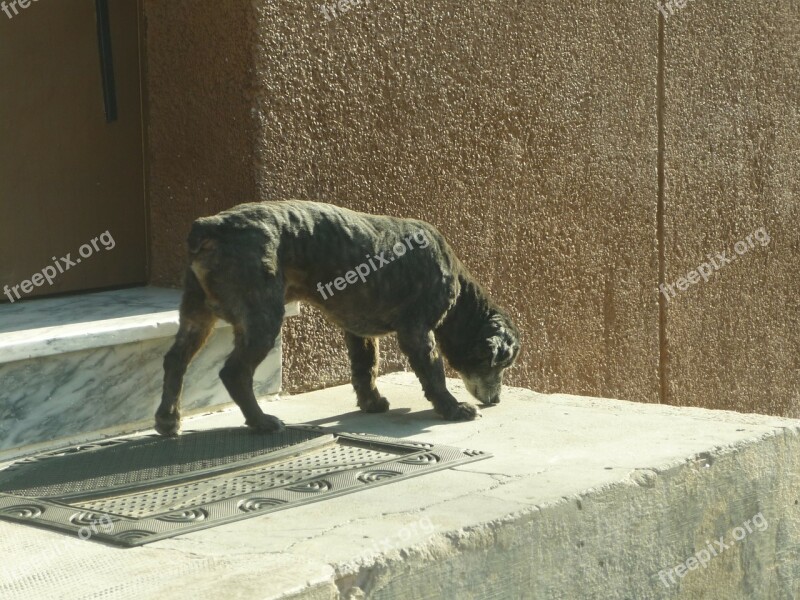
x=246 y=262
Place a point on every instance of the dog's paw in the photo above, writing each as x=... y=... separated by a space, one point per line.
x=266 y=423
x=463 y=411
x=378 y=404
x=168 y=425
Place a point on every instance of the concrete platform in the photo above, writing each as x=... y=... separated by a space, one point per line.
x=583 y=498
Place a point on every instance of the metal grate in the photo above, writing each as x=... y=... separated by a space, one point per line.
x=214 y=489
x=117 y=463
x=151 y=488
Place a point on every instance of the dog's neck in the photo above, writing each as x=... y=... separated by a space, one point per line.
x=470 y=313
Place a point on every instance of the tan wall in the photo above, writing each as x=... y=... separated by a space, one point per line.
x=200 y=128
x=732 y=162
x=529 y=135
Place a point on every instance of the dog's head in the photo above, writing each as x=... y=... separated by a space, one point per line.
x=481 y=368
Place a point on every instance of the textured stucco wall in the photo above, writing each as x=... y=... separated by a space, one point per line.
x=529 y=135
x=732 y=136
x=200 y=129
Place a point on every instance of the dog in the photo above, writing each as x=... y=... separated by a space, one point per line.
x=370 y=275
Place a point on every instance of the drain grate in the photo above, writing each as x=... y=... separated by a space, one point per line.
x=151 y=488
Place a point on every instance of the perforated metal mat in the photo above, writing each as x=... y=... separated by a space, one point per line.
x=131 y=492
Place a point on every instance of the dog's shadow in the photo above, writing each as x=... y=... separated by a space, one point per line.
x=395 y=423
x=94 y=467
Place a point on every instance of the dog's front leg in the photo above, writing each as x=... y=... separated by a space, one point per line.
x=196 y=323
x=420 y=347
x=364 y=358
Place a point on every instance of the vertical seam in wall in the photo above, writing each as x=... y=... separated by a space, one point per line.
x=663 y=353
x=144 y=116
x=256 y=129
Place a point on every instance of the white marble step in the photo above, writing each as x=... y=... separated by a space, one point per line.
x=82 y=367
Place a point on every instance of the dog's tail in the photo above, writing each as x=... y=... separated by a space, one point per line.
x=204 y=235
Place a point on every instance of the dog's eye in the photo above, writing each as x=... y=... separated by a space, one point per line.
x=502 y=354
x=501 y=357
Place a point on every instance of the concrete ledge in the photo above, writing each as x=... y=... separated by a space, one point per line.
x=583 y=498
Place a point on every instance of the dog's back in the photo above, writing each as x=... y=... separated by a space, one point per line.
x=334 y=258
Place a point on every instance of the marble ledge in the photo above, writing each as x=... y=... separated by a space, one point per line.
x=86 y=366
x=52 y=326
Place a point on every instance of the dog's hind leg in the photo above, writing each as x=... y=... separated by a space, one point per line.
x=420 y=347
x=255 y=330
x=364 y=355
x=196 y=323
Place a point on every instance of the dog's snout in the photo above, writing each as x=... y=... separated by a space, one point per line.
x=491 y=400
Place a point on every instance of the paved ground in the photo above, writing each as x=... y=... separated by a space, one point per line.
x=583 y=497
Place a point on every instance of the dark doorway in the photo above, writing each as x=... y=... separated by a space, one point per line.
x=72 y=204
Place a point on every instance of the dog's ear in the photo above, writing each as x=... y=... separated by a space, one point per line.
x=504 y=351
x=503 y=341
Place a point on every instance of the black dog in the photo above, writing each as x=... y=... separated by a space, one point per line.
x=371 y=275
